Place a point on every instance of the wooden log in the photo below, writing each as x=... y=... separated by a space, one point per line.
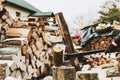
x=39 y=44
x=27 y=76
x=63 y=73
x=24 y=49
x=22 y=66
x=42 y=56
x=86 y=75
x=13 y=67
x=3 y=71
x=18 y=74
x=58 y=55
x=46 y=38
x=6 y=57
x=8 y=71
x=56 y=39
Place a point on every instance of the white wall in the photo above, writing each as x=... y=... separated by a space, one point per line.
x=12 y=11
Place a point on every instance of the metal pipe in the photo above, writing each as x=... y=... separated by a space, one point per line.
x=72 y=55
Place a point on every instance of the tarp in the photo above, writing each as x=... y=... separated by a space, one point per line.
x=87 y=34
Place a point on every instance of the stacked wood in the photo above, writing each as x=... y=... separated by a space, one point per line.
x=34 y=57
x=98 y=42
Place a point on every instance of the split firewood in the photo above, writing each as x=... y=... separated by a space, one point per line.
x=27 y=76
x=42 y=56
x=37 y=53
x=22 y=66
x=18 y=74
x=30 y=69
x=13 y=67
x=13 y=74
x=35 y=35
x=8 y=71
x=46 y=38
x=33 y=47
x=24 y=49
x=33 y=63
x=39 y=44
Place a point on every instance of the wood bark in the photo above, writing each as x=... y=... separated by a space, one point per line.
x=58 y=55
x=63 y=73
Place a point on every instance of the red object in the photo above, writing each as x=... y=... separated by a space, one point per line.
x=77 y=35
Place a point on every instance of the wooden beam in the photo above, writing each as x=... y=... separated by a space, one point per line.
x=65 y=32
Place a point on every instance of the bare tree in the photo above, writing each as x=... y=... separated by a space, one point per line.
x=82 y=21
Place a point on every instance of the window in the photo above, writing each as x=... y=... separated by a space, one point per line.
x=18 y=14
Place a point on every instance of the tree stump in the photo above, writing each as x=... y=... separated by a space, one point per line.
x=89 y=75
x=63 y=73
x=58 y=55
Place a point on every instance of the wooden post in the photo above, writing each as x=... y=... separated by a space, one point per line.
x=63 y=73
x=57 y=55
x=65 y=32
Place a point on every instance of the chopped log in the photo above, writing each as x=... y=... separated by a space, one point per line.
x=48 y=78
x=63 y=73
x=49 y=28
x=39 y=44
x=27 y=75
x=58 y=55
x=33 y=63
x=13 y=67
x=46 y=38
x=16 y=60
x=3 y=71
x=6 y=57
x=56 y=39
x=13 y=74
x=37 y=53
x=22 y=66
x=86 y=75
x=18 y=74
x=39 y=63
x=9 y=21
x=45 y=47
x=8 y=71
x=30 y=69
x=42 y=56
x=34 y=48
x=24 y=49
x=4 y=17
x=35 y=35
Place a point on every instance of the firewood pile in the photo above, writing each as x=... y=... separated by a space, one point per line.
x=34 y=58
x=98 y=42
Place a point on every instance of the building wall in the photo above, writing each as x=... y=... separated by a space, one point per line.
x=12 y=11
